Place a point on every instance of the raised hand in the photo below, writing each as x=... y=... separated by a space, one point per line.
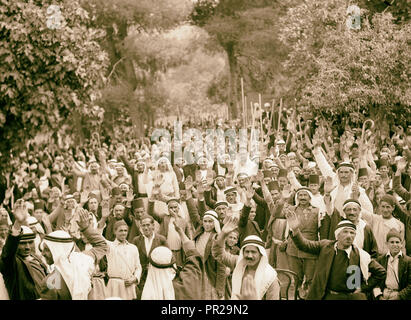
x=249 y=191
x=84 y=216
x=188 y=183
x=20 y=212
x=130 y=195
x=355 y=191
x=198 y=176
x=292 y=219
x=105 y=208
x=230 y=225
x=178 y=229
x=260 y=176
x=84 y=196
x=286 y=193
x=401 y=164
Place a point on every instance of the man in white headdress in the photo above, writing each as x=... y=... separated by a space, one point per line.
x=251 y=261
x=166 y=281
x=72 y=272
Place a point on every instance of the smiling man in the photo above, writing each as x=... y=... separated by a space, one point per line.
x=252 y=261
x=397 y=284
x=333 y=279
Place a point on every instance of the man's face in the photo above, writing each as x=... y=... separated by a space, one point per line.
x=220 y=181
x=202 y=164
x=47 y=255
x=352 y=212
x=147 y=226
x=94 y=168
x=267 y=180
x=346 y=237
x=303 y=198
x=297 y=171
x=314 y=187
x=138 y=212
x=363 y=182
x=252 y=213
x=232 y=239
x=93 y=204
x=281 y=147
x=221 y=211
x=119 y=212
x=173 y=208
x=208 y=224
x=38 y=214
x=356 y=162
x=120 y=171
x=252 y=256
x=121 y=233
x=24 y=248
x=282 y=182
x=383 y=170
x=140 y=167
x=242 y=180
x=162 y=165
x=124 y=188
x=275 y=194
x=386 y=210
x=394 y=245
x=231 y=197
x=70 y=204
x=275 y=170
x=3 y=214
x=345 y=174
x=4 y=231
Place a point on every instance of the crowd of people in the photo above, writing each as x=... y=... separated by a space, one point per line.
x=133 y=219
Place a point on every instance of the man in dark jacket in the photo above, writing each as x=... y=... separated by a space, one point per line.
x=146 y=243
x=337 y=260
x=397 y=283
x=23 y=271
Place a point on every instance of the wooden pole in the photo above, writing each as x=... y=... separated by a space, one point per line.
x=242 y=96
x=279 y=115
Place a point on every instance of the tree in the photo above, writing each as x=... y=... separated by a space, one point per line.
x=52 y=66
x=247 y=32
x=352 y=73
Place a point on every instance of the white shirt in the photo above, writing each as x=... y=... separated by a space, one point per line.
x=392 y=280
x=148 y=242
x=123 y=260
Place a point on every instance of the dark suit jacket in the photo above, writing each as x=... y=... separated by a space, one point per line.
x=329 y=224
x=134 y=176
x=138 y=241
x=247 y=227
x=404 y=275
x=326 y=252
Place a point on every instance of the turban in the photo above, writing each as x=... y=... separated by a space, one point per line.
x=229 y=190
x=220 y=203
x=351 y=201
x=342 y=225
x=213 y=215
x=28 y=234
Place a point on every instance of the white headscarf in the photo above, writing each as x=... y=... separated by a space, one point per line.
x=265 y=275
x=213 y=215
x=159 y=282
x=75 y=268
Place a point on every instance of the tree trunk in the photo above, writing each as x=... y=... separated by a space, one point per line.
x=232 y=82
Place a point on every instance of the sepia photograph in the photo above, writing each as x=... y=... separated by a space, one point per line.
x=205 y=154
